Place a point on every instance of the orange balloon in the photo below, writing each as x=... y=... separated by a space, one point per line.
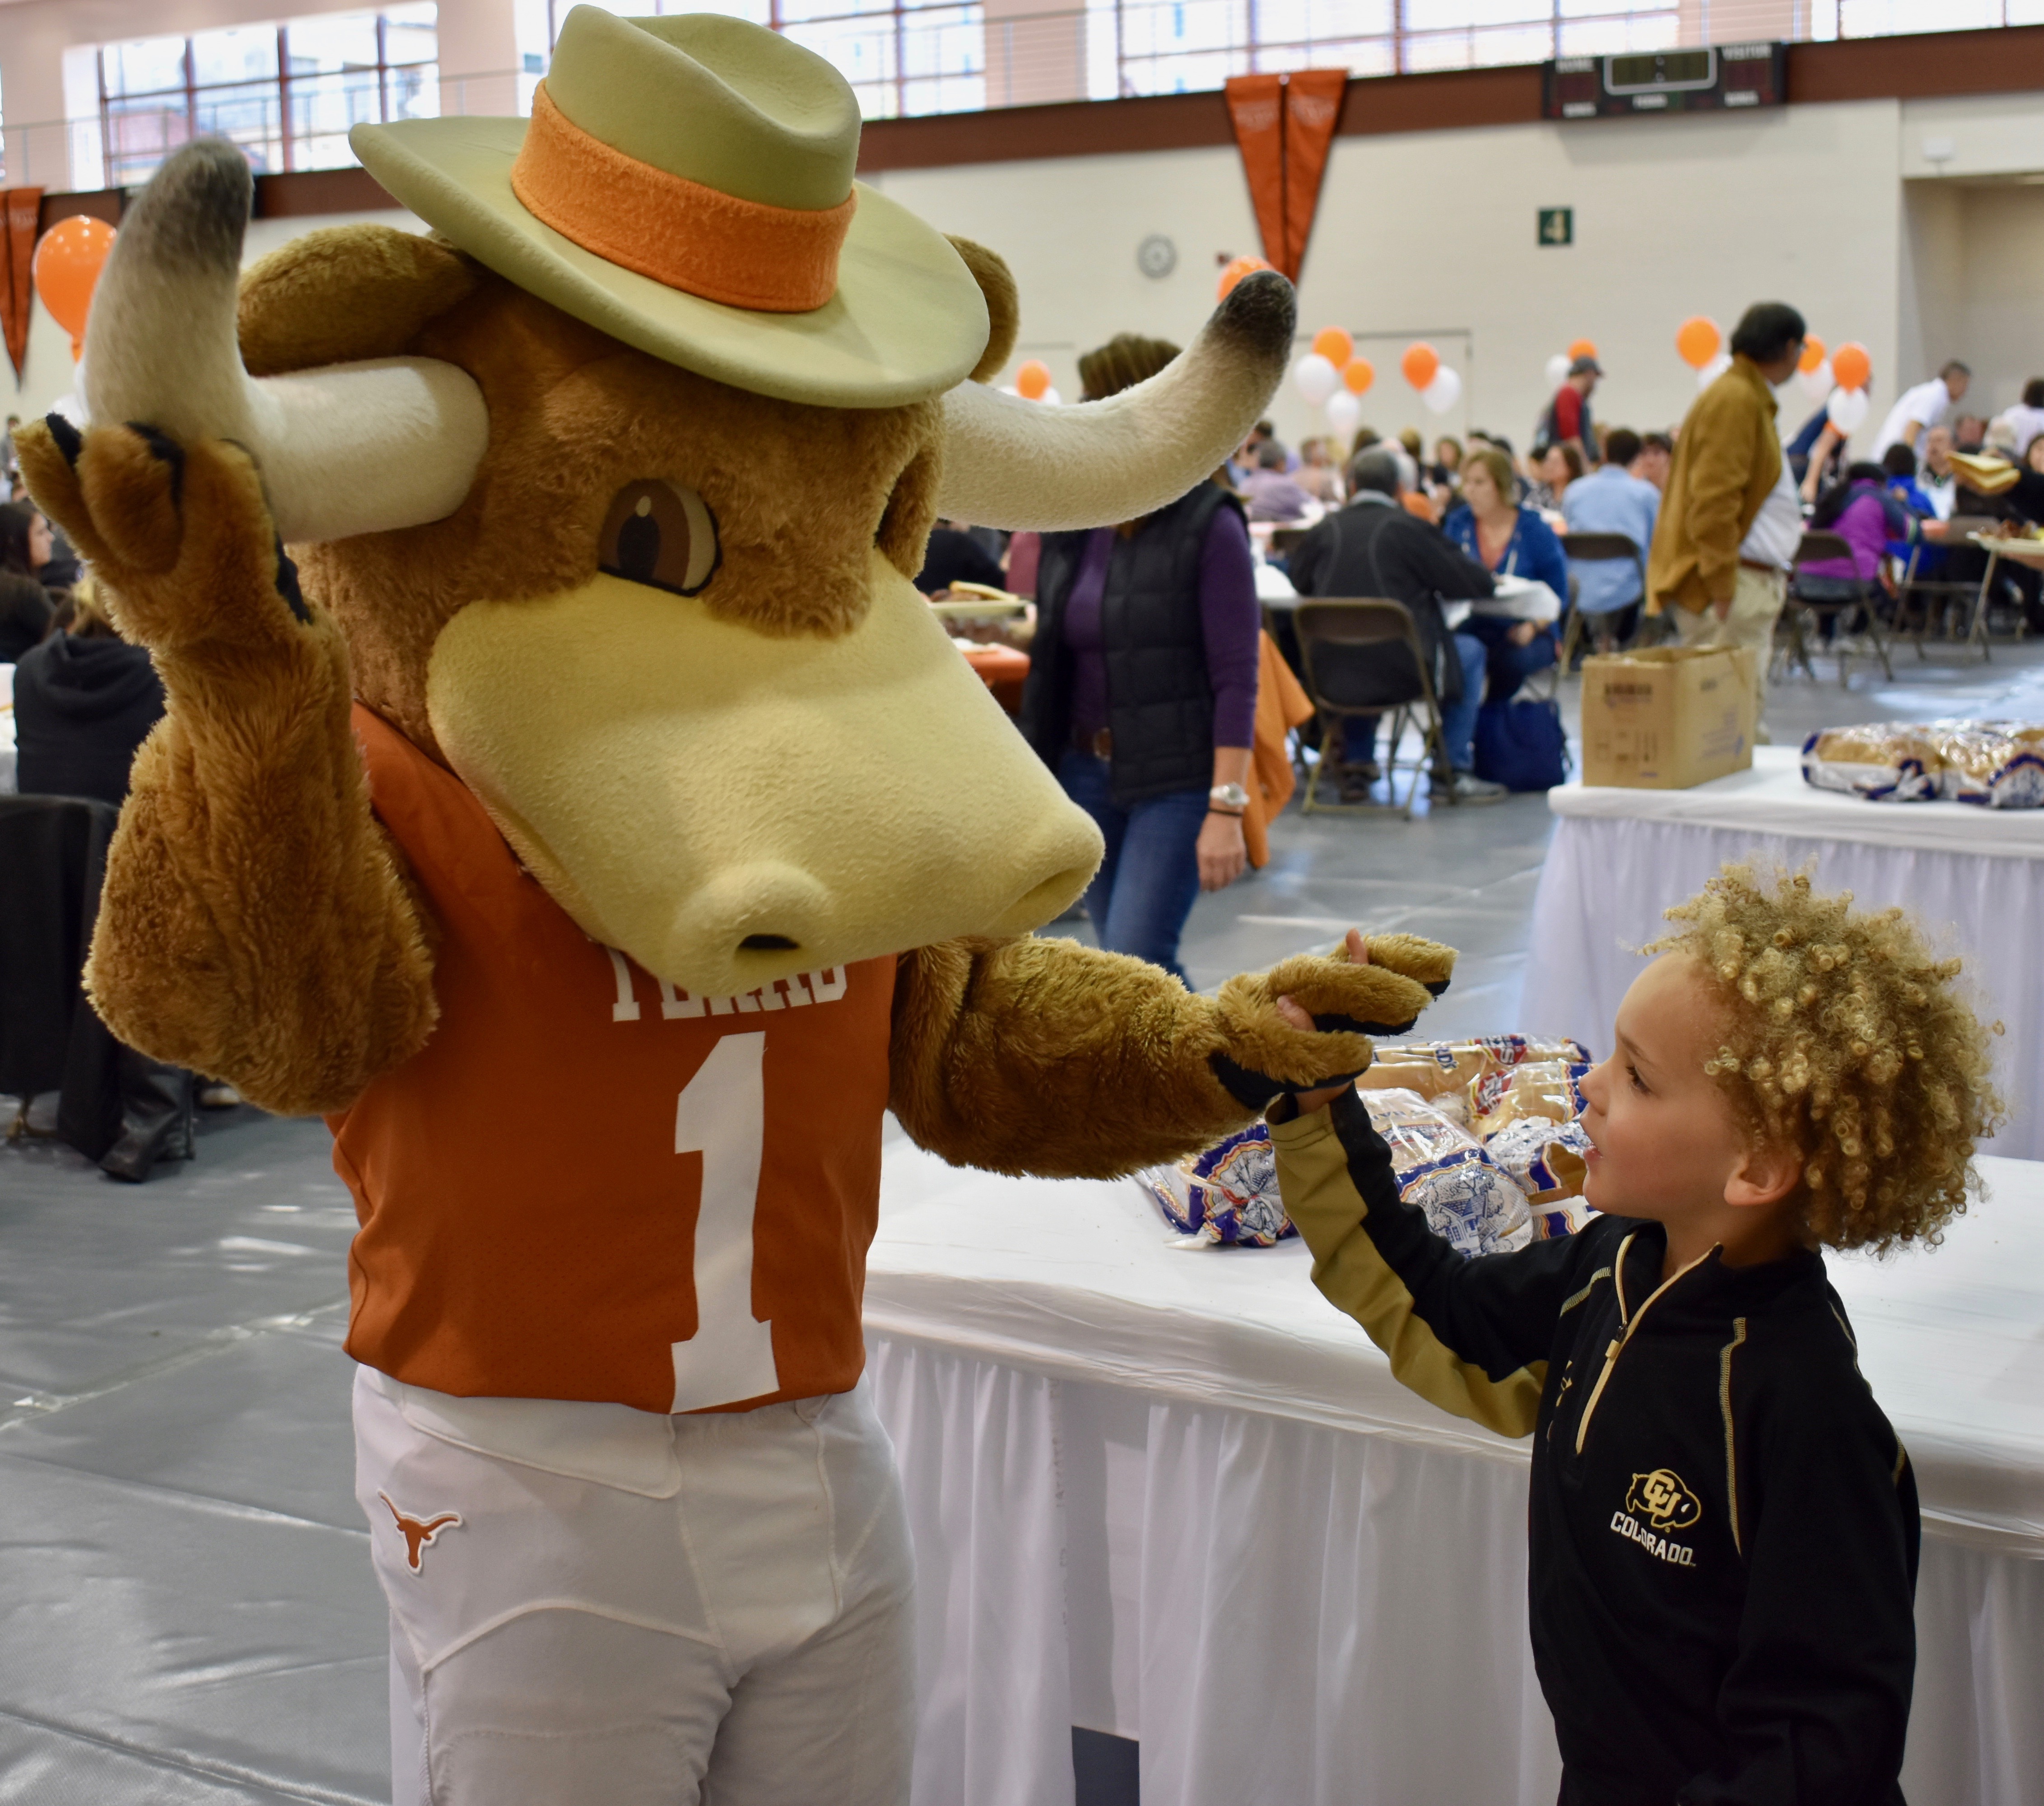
x=1335 y=345
x=1851 y=366
x=1358 y=374
x=1421 y=363
x=1032 y=379
x=1236 y=270
x=1582 y=347
x=1813 y=354
x=67 y=268
x=1697 y=338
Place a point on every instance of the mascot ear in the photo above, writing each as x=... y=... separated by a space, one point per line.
x=346 y=293
x=1004 y=309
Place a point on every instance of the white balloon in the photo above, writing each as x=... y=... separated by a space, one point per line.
x=1817 y=383
x=1847 y=409
x=1557 y=370
x=1444 y=391
x=1050 y=398
x=1344 y=412
x=1315 y=378
x=1712 y=370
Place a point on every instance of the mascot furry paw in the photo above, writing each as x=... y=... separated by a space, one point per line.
x=589 y=817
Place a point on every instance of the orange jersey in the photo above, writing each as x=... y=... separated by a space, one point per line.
x=589 y=1184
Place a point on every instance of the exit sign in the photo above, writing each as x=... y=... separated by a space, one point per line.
x=1557 y=225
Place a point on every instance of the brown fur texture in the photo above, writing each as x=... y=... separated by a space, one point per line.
x=345 y=293
x=1043 y=1056
x=1004 y=306
x=253 y=925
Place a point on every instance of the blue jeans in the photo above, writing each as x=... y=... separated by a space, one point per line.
x=1457 y=718
x=1145 y=887
x=1511 y=666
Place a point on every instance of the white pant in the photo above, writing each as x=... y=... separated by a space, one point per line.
x=594 y=1606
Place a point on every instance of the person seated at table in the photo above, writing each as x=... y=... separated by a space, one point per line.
x=1446 y=470
x=1656 y=458
x=1552 y=471
x=1859 y=509
x=1317 y=474
x=1900 y=462
x=1724 y=1528
x=1374 y=548
x=954 y=555
x=25 y=604
x=1613 y=499
x=1508 y=541
x=85 y=699
x=1270 y=491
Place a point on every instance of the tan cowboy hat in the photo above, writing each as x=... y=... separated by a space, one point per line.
x=685 y=184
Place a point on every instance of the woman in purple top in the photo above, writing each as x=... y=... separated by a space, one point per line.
x=1142 y=690
x=1859 y=510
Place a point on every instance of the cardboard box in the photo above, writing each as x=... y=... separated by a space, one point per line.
x=1669 y=718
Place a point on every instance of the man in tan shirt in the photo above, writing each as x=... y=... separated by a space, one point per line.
x=1730 y=522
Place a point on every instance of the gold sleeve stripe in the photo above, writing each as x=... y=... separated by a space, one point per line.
x=1576 y=1298
x=1731 y=1453
x=1322 y=1200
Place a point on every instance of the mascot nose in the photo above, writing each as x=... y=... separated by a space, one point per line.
x=757 y=907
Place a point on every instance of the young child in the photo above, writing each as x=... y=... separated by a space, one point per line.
x=1723 y=1525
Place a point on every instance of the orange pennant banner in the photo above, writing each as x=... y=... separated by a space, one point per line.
x=18 y=289
x=1284 y=125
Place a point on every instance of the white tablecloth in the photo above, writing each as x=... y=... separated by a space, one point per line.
x=1174 y=1495
x=1620 y=857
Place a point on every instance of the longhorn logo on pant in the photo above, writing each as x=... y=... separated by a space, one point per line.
x=417 y=1533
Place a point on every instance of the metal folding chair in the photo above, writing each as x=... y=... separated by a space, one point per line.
x=1362 y=657
x=1802 y=613
x=1596 y=548
x=1916 y=596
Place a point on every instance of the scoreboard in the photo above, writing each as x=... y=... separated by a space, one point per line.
x=1714 y=79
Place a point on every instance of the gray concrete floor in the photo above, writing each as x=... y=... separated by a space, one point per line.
x=188 y=1616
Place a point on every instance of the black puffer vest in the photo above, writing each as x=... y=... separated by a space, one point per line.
x=1159 y=703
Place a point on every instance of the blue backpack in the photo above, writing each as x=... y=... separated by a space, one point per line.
x=1520 y=744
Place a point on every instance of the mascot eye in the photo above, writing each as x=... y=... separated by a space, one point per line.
x=660 y=534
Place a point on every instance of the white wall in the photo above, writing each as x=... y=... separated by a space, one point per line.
x=1999 y=328
x=1434 y=234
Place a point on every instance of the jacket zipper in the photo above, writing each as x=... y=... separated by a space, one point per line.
x=1627 y=1326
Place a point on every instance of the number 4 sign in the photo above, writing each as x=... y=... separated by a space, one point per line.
x=721 y=1114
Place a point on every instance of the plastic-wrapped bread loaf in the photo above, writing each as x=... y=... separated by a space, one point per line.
x=1994 y=764
x=1461 y=1079
x=1884 y=761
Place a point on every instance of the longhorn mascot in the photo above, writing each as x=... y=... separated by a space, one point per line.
x=590 y=820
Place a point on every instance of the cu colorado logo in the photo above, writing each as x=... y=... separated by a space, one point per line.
x=1661 y=1499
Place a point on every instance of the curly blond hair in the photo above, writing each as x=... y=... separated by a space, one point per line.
x=1846 y=1038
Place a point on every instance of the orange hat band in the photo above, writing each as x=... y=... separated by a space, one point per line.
x=683 y=235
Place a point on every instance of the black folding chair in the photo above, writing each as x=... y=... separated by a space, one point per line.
x=1805 y=613
x=1596 y=548
x=1917 y=597
x=1360 y=657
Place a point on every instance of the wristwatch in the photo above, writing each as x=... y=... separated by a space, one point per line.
x=1227 y=799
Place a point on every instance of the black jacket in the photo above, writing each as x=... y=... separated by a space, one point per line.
x=80 y=708
x=1724 y=1526
x=1371 y=548
x=955 y=557
x=25 y=615
x=1159 y=698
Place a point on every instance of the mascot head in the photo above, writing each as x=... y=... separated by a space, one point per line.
x=616 y=484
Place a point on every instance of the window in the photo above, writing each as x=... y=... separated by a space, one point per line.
x=286 y=94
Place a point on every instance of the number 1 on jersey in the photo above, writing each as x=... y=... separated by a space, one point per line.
x=722 y=1115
